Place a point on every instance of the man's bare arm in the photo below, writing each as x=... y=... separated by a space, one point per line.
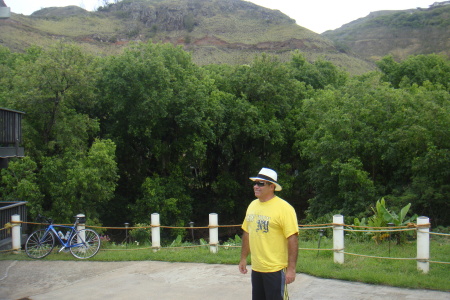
x=292 y=258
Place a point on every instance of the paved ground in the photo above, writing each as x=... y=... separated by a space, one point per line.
x=41 y=279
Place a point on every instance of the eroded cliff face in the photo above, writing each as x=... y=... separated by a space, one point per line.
x=400 y=43
x=397 y=33
x=176 y=15
x=212 y=23
x=214 y=31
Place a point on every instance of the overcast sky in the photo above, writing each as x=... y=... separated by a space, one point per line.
x=318 y=16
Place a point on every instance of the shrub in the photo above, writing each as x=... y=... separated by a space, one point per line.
x=141 y=233
x=383 y=218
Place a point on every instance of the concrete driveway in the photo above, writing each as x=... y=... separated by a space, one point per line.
x=41 y=279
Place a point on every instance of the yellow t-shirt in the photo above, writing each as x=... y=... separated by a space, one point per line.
x=269 y=224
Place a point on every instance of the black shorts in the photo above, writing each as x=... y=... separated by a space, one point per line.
x=269 y=286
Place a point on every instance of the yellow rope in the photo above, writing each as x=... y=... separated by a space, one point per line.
x=394 y=230
x=325 y=227
x=128 y=249
x=229 y=246
x=10 y=250
x=435 y=233
x=393 y=227
x=312 y=249
x=439 y=262
x=186 y=247
x=328 y=224
x=371 y=256
x=7 y=227
x=410 y=226
x=167 y=227
x=141 y=227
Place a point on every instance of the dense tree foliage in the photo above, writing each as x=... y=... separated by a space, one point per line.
x=367 y=139
x=420 y=69
x=69 y=171
x=123 y=136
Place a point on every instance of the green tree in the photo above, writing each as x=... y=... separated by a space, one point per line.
x=368 y=140
x=157 y=107
x=19 y=183
x=6 y=59
x=167 y=196
x=80 y=183
x=417 y=69
x=256 y=129
x=55 y=88
x=430 y=189
x=318 y=74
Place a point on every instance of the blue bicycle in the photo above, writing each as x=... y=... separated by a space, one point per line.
x=82 y=244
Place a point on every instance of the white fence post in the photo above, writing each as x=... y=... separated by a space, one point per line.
x=16 y=233
x=213 y=233
x=423 y=244
x=156 y=239
x=338 y=238
x=80 y=226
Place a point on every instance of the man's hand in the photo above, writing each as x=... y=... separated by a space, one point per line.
x=290 y=276
x=243 y=266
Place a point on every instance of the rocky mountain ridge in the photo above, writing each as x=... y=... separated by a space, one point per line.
x=226 y=31
x=397 y=33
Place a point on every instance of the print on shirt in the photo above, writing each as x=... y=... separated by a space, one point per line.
x=262 y=222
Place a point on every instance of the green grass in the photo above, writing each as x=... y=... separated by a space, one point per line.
x=78 y=26
x=390 y=272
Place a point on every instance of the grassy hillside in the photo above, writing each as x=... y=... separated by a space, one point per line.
x=20 y=32
x=214 y=31
x=399 y=33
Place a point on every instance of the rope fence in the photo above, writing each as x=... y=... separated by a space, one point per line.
x=387 y=229
x=369 y=229
x=372 y=256
x=338 y=227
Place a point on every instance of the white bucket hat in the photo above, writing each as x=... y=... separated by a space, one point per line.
x=268 y=175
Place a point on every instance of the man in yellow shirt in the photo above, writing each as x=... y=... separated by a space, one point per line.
x=271 y=236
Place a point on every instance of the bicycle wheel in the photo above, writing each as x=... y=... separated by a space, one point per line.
x=39 y=244
x=85 y=243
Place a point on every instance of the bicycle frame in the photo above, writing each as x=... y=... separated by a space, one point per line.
x=65 y=244
x=52 y=228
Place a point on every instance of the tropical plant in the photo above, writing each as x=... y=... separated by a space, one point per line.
x=383 y=217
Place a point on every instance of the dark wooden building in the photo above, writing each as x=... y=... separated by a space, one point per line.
x=10 y=135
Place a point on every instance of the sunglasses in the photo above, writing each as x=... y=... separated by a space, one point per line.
x=260 y=183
